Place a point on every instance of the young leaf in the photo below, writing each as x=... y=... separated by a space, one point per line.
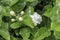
x=54 y=14
x=28 y=21
x=4 y=11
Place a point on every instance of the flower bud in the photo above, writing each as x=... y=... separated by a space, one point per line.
x=22 y=12
x=20 y=19
x=12 y=13
x=35 y=24
x=12 y=20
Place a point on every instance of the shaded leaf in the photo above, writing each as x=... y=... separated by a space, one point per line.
x=13 y=38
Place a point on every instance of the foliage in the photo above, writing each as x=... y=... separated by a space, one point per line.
x=16 y=23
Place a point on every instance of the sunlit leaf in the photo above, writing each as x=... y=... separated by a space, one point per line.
x=15 y=25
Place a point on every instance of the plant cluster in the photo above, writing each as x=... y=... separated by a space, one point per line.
x=29 y=19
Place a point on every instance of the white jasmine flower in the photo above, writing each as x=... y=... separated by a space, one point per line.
x=22 y=12
x=12 y=20
x=36 y=18
x=12 y=13
x=20 y=19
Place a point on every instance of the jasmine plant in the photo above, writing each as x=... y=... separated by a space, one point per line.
x=29 y=19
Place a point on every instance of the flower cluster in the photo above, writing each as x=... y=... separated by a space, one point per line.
x=12 y=13
x=36 y=18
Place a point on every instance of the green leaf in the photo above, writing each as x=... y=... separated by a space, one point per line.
x=54 y=15
x=41 y=33
x=34 y=3
x=5 y=11
x=28 y=21
x=30 y=10
x=0 y=20
x=19 y=38
x=57 y=34
x=12 y=2
x=15 y=25
x=29 y=0
x=34 y=30
x=56 y=23
x=13 y=38
x=3 y=25
x=4 y=33
x=18 y=7
x=9 y=2
x=25 y=33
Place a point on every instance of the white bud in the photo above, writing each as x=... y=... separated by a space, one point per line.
x=35 y=24
x=20 y=19
x=22 y=12
x=12 y=20
x=12 y=13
